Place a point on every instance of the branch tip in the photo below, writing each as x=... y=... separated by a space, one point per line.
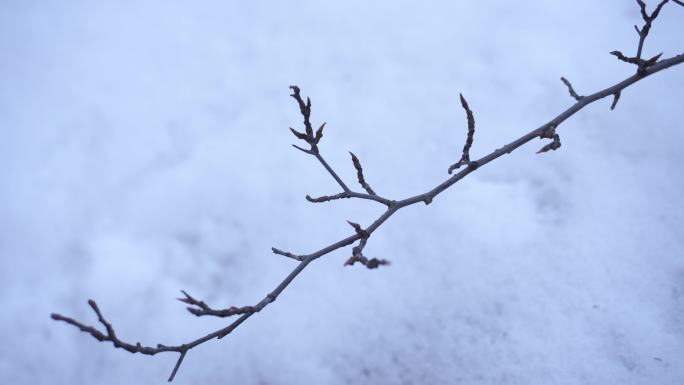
x=370 y=264
x=616 y=97
x=178 y=364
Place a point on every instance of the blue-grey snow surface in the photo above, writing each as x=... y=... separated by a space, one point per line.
x=144 y=149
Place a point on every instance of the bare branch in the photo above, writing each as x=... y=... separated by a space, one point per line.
x=303 y=150
x=465 y=157
x=547 y=130
x=571 y=90
x=359 y=174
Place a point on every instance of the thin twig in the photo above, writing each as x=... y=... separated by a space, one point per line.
x=465 y=156
x=570 y=89
x=199 y=308
x=648 y=19
x=359 y=174
x=359 y=230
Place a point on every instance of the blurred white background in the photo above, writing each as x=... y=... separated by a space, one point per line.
x=144 y=149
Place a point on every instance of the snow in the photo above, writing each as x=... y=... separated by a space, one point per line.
x=145 y=150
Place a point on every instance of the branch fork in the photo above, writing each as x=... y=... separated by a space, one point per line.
x=643 y=64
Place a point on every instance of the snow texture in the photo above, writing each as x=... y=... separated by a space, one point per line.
x=144 y=149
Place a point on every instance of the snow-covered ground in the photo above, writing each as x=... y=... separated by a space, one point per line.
x=144 y=149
